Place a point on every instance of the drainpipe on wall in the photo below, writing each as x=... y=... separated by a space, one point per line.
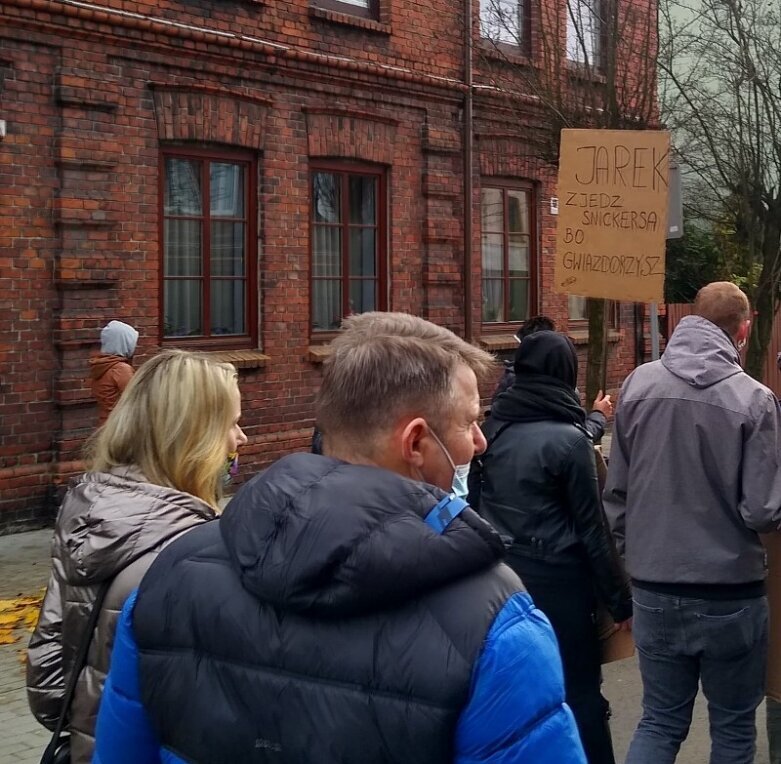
x=468 y=184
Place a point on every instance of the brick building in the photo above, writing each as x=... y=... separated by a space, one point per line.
x=235 y=176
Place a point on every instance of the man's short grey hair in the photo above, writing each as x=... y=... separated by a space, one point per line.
x=386 y=365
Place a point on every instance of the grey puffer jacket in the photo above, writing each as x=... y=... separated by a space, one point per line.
x=695 y=464
x=110 y=525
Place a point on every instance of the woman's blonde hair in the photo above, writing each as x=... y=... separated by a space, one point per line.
x=172 y=422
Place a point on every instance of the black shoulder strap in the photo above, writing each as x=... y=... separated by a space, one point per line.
x=475 y=480
x=78 y=664
x=80 y=659
x=495 y=436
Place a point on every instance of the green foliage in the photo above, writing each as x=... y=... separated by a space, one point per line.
x=694 y=260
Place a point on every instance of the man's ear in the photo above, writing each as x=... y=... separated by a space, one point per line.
x=742 y=334
x=411 y=441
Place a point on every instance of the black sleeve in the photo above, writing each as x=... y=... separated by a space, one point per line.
x=582 y=488
x=595 y=425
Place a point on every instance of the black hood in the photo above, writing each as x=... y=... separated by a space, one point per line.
x=320 y=535
x=548 y=354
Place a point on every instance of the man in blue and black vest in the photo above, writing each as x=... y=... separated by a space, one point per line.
x=347 y=608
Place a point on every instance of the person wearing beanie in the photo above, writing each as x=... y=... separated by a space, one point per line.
x=111 y=369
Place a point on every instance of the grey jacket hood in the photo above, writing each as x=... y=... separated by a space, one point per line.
x=117 y=338
x=701 y=353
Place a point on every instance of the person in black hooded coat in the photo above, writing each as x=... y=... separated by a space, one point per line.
x=539 y=490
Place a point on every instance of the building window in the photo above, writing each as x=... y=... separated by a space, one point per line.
x=578 y=312
x=368 y=9
x=508 y=253
x=207 y=253
x=584 y=32
x=505 y=21
x=348 y=243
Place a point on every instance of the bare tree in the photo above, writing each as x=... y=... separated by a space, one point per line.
x=581 y=64
x=720 y=90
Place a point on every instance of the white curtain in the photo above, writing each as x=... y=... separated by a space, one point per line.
x=583 y=30
x=500 y=21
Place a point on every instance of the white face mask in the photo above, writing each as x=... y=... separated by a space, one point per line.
x=459 y=487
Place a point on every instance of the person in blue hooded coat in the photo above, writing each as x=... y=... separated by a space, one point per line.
x=350 y=607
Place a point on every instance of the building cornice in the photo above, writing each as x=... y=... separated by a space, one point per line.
x=92 y=14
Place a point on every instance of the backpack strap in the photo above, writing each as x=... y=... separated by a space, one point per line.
x=475 y=480
x=495 y=436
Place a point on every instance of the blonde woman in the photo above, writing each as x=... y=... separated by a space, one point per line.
x=156 y=470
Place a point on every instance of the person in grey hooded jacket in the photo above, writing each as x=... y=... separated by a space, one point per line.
x=694 y=476
x=111 y=370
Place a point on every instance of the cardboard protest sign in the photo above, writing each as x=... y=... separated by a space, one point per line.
x=613 y=189
x=614 y=645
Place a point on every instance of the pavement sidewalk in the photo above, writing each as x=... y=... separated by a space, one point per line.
x=24 y=569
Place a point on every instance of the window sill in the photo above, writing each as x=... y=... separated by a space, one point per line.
x=347 y=19
x=580 y=336
x=318 y=353
x=496 y=342
x=241 y=359
x=584 y=73
x=503 y=51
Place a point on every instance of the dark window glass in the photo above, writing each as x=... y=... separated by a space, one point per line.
x=205 y=247
x=347 y=234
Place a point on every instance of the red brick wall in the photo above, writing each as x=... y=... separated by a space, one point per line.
x=90 y=96
x=28 y=359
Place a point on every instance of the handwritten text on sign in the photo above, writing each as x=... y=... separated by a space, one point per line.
x=612 y=214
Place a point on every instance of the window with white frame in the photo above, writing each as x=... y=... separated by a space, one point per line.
x=584 y=31
x=578 y=312
x=364 y=8
x=502 y=21
x=508 y=252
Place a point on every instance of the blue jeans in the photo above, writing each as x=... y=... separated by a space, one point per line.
x=682 y=641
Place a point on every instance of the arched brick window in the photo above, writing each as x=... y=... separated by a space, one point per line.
x=347 y=234
x=509 y=251
x=208 y=248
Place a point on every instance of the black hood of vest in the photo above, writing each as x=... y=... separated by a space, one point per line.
x=318 y=535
